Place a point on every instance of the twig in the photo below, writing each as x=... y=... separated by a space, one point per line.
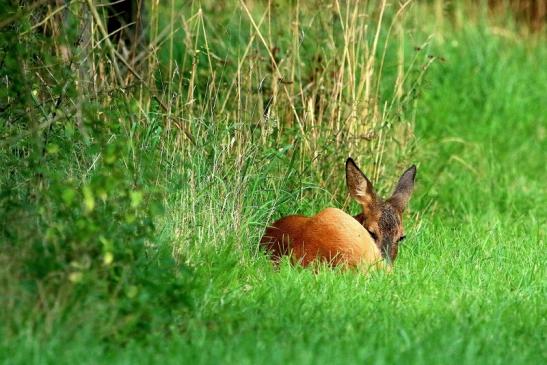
x=109 y=44
x=16 y=16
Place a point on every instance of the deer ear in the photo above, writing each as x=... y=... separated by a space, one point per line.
x=404 y=189
x=359 y=186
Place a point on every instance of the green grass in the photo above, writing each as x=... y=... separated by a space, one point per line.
x=469 y=284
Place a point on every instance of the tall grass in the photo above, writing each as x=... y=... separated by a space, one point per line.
x=313 y=91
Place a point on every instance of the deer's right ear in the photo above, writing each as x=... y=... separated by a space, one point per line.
x=404 y=189
x=359 y=186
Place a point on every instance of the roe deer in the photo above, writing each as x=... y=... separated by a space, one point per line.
x=340 y=239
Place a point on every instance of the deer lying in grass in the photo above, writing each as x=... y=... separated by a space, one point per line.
x=337 y=238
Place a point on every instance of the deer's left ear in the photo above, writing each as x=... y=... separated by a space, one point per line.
x=404 y=189
x=359 y=186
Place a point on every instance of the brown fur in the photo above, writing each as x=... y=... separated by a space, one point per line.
x=337 y=238
x=277 y=238
x=331 y=236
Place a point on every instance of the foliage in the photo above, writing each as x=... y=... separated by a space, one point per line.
x=78 y=205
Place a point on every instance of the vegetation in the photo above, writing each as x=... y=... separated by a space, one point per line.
x=135 y=186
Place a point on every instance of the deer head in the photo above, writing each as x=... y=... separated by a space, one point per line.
x=381 y=218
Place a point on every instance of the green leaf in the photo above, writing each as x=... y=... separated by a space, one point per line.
x=52 y=148
x=68 y=196
x=89 y=200
x=130 y=218
x=75 y=277
x=132 y=291
x=108 y=258
x=136 y=198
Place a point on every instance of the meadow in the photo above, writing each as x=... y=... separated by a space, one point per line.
x=132 y=209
